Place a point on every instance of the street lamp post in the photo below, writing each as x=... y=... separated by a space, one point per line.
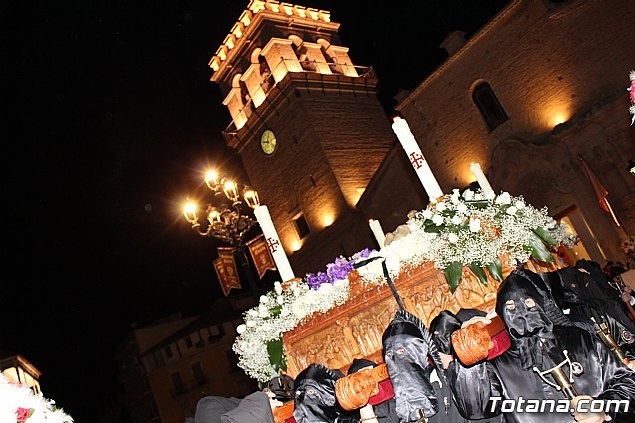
x=226 y=218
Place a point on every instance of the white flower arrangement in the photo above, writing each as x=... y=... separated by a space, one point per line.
x=473 y=229
x=279 y=311
x=455 y=230
x=20 y=404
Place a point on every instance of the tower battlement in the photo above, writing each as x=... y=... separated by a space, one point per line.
x=278 y=10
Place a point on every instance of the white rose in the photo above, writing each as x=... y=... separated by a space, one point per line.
x=456 y=219
x=264 y=299
x=252 y=312
x=241 y=329
x=280 y=300
x=250 y=323
x=452 y=238
x=441 y=206
x=519 y=204
x=503 y=198
x=468 y=194
x=461 y=208
x=490 y=195
x=277 y=286
x=475 y=225
x=427 y=214
x=437 y=219
x=511 y=210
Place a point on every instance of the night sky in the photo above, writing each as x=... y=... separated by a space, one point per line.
x=111 y=118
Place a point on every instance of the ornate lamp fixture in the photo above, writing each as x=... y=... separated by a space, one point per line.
x=226 y=219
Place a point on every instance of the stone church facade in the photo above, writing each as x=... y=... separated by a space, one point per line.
x=542 y=84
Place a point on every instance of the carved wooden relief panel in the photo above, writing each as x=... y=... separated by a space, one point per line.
x=354 y=329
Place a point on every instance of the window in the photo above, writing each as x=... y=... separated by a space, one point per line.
x=158 y=359
x=199 y=375
x=301 y=225
x=188 y=342
x=488 y=105
x=168 y=351
x=177 y=382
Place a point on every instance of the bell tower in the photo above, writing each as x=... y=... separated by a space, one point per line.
x=307 y=125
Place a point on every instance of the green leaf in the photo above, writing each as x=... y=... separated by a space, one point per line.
x=479 y=204
x=432 y=228
x=479 y=272
x=276 y=354
x=453 y=274
x=544 y=235
x=274 y=311
x=538 y=249
x=495 y=270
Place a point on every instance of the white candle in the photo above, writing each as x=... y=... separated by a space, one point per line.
x=481 y=179
x=418 y=162
x=380 y=236
x=273 y=243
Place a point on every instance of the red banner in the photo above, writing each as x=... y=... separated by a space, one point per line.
x=598 y=188
x=226 y=270
x=261 y=255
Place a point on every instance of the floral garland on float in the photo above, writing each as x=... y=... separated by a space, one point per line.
x=19 y=404
x=473 y=229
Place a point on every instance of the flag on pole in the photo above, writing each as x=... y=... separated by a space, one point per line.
x=261 y=255
x=598 y=188
x=600 y=191
x=226 y=270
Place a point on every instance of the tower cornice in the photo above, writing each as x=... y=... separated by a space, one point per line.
x=242 y=31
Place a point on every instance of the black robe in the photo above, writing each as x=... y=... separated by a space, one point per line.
x=536 y=342
x=589 y=295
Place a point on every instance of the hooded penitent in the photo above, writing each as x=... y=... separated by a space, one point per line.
x=585 y=291
x=521 y=306
x=407 y=344
x=282 y=387
x=539 y=342
x=314 y=396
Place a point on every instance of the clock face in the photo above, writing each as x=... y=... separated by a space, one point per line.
x=268 y=142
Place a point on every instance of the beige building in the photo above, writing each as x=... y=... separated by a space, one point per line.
x=165 y=368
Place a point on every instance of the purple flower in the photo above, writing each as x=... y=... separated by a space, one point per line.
x=314 y=281
x=365 y=253
x=339 y=269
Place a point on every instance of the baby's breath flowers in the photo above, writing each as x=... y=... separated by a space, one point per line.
x=475 y=230
x=469 y=229
x=259 y=340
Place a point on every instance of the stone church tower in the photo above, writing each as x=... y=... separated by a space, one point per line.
x=307 y=124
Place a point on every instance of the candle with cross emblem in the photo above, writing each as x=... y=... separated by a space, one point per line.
x=273 y=242
x=418 y=162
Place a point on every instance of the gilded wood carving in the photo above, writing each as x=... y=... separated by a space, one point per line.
x=354 y=329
